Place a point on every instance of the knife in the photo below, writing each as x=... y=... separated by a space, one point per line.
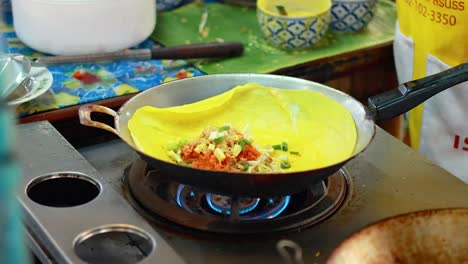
x=193 y=51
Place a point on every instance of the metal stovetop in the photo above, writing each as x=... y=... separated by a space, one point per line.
x=387 y=179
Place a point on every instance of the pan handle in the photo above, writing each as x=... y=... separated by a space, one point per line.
x=290 y=251
x=409 y=95
x=85 y=117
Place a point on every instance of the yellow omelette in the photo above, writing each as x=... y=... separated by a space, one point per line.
x=319 y=128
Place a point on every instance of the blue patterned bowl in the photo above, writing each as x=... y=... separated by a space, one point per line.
x=294 y=32
x=166 y=5
x=5 y=5
x=351 y=15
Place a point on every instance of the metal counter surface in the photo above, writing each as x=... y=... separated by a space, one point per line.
x=387 y=179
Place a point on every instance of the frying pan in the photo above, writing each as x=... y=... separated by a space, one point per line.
x=429 y=236
x=185 y=91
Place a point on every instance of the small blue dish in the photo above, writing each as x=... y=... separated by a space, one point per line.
x=5 y=5
x=351 y=15
x=167 y=5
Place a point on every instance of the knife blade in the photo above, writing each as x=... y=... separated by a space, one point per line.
x=193 y=51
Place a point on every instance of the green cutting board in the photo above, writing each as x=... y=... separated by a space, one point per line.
x=233 y=23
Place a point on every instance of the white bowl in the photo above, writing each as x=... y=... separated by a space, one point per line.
x=76 y=27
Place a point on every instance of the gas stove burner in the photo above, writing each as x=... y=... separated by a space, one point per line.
x=249 y=207
x=178 y=205
x=194 y=201
x=222 y=204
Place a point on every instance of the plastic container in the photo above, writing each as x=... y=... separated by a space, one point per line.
x=77 y=27
x=12 y=244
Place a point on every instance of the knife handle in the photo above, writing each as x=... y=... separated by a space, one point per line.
x=201 y=50
x=138 y=54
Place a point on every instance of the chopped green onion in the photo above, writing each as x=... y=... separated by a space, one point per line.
x=177 y=145
x=285 y=165
x=172 y=146
x=281 y=10
x=224 y=128
x=242 y=145
x=246 y=167
x=219 y=140
x=294 y=152
x=284 y=146
x=276 y=147
x=174 y=156
x=243 y=142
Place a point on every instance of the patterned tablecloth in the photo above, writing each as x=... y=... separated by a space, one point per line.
x=83 y=83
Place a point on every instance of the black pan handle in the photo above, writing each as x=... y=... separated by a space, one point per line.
x=409 y=95
x=200 y=50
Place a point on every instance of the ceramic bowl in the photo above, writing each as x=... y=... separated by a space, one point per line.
x=351 y=15
x=298 y=29
x=5 y=5
x=166 y=5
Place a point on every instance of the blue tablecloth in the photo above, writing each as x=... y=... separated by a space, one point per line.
x=84 y=83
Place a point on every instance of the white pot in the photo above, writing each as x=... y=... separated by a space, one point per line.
x=76 y=27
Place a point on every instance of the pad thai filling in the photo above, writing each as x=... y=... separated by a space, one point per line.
x=227 y=149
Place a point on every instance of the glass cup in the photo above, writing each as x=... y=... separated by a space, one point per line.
x=14 y=69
